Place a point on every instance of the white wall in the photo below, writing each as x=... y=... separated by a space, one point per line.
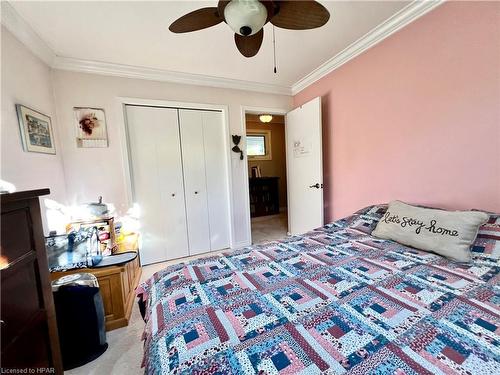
x=27 y=80
x=93 y=172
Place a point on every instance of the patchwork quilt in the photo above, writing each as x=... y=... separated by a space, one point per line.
x=332 y=301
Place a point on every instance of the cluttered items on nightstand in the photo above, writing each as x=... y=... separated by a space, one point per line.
x=94 y=237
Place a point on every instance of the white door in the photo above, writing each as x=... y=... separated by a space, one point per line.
x=155 y=156
x=216 y=167
x=193 y=161
x=304 y=159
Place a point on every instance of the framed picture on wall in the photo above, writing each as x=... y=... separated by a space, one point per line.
x=36 y=130
x=90 y=127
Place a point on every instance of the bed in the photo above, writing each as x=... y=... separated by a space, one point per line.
x=334 y=300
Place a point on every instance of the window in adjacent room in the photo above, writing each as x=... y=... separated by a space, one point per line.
x=256 y=145
x=259 y=144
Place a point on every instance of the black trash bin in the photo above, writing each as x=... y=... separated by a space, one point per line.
x=80 y=319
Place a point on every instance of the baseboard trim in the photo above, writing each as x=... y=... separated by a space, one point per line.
x=241 y=244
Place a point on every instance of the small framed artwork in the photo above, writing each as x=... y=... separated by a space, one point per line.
x=36 y=130
x=90 y=127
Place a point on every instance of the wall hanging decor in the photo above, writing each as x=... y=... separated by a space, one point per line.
x=36 y=130
x=91 y=127
x=236 y=148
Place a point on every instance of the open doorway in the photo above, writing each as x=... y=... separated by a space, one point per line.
x=266 y=152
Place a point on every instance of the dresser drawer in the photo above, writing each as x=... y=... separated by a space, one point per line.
x=16 y=234
x=29 y=349
x=21 y=300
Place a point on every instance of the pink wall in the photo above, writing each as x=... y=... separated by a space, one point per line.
x=417 y=117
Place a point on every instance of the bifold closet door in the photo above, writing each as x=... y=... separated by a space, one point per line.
x=195 y=187
x=205 y=179
x=217 y=179
x=157 y=181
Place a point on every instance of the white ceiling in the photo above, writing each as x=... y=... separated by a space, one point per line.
x=136 y=33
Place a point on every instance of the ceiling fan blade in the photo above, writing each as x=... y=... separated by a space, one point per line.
x=300 y=15
x=221 y=5
x=249 y=45
x=196 y=20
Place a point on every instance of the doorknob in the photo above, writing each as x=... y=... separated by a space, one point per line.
x=316 y=185
x=196 y=192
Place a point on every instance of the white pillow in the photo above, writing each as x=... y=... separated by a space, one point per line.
x=447 y=233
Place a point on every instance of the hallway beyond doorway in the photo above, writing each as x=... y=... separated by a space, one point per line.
x=269 y=228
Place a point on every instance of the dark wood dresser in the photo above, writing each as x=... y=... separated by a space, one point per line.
x=28 y=321
x=264 y=196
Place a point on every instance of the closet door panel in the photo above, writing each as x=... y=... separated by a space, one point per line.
x=217 y=179
x=155 y=156
x=193 y=160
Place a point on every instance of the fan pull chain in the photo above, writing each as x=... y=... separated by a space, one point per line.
x=274 y=51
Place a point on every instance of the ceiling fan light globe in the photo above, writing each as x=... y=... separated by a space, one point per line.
x=245 y=17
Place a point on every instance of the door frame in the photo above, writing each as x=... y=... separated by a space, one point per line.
x=254 y=110
x=125 y=145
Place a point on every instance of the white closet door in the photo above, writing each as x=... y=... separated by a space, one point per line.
x=155 y=156
x=217 y=179
x=193 y=161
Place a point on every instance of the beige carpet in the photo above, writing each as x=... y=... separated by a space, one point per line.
x=124 y=354
x=269 y=228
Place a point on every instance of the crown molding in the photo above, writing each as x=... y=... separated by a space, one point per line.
x=25 y=34
x=128 y=71
x=408 y=14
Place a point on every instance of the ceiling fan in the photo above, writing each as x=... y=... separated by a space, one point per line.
x=248 y=17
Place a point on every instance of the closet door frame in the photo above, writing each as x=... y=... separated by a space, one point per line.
x=122 y=102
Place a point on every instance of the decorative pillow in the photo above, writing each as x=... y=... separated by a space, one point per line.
x=447 y=233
